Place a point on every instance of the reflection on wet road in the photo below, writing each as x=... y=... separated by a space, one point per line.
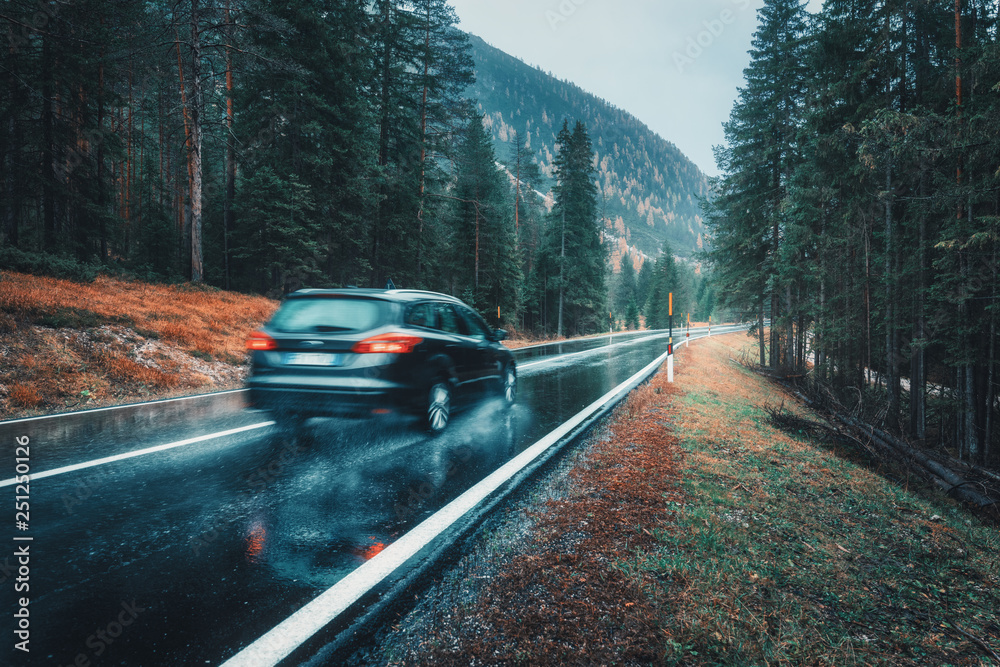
x=186 y=555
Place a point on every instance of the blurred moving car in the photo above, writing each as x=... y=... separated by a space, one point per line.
x=358 y=352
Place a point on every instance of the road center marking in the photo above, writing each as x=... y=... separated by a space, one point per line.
x=140 y=452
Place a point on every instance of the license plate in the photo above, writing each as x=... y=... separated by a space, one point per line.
x=313 y=359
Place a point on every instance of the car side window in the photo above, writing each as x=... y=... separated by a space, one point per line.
x=448 y=320
x=477 y=328
x=421 y=315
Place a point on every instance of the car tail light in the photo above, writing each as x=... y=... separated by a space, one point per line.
x=390 y=343
x=260 y=341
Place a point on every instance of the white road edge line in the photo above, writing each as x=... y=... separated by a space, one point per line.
x=139 y=452
x=279 y=642
x=119 y=407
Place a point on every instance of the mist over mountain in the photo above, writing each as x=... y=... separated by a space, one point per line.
x=649 y=189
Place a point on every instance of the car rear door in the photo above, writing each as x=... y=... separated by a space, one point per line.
x=484 y=369
x=460 y=348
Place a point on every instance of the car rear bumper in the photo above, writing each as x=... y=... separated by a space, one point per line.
x=331 y=402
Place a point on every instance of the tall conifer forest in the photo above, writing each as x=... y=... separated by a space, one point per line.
x=859 y=209
x=264 y=147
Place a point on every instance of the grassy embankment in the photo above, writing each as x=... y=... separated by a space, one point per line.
x=694 y=532
x=67 y=345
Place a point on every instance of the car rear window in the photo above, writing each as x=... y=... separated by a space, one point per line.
x=328 y=315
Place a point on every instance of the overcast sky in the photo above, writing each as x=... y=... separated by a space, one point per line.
x=674 y=64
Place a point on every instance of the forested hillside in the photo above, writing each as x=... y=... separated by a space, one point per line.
x=859 y=209
x=649 y=191
x=265 y=147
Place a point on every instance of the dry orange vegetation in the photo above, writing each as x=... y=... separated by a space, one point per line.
x=65 y=344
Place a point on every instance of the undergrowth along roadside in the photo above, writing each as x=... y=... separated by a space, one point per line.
x=763 y=547
x=788 y=552
x=69 y=345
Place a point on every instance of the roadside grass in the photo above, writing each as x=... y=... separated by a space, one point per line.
x=65 y=345
x=786 y=552
x=211 y=321
x=690 y=531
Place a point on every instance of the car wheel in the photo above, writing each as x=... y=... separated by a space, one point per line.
x=509 y=386
x=438 y=407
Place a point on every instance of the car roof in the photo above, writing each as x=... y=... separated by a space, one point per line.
x=398 y=295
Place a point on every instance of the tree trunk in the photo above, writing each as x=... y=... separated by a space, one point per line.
x=891 y=376
x=9 y=207
x=101 y=187
x=760 y=337
x=517 y=192
x=476 y=205
x=789 y=331
x=867 y=356
x=562 y=274
x=775 y=305
x=423 y=147
x=918 y=367
x=50 y=231
x=990 y=393
x=197 y=274
x=182 y=207
x=227 y=214
x=385 y=119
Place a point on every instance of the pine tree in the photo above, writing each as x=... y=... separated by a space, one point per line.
x=625 y=287
x=576 y=276
x=421 y=69
x=528 y=226
x=748 y=217
x=303 y=119
x=632 y=315
x=643 y=283
x=669 y=278
x=486 y=266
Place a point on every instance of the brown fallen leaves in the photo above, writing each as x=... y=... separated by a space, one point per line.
x=572 y=595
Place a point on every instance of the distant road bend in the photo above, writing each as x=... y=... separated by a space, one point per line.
x=188 y=532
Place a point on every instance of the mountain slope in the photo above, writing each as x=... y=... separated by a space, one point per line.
x=649 y=188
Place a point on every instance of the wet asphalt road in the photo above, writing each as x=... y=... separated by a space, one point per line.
x=184 y=556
